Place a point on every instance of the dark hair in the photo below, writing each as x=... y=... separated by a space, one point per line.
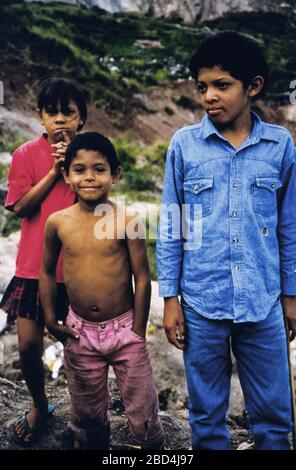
x=92 y=141
x=235 y=53
x=55 y=91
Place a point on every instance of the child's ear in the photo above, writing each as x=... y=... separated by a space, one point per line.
x=255 y=86
x=66 y=176
x=116 y=177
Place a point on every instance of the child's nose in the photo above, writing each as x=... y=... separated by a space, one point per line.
x=211 y=95
x=90 y=175
x=60 y=117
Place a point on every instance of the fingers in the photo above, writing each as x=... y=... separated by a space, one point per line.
x=291 y=328
x=172 y=338
x=62 y=333
x=176 y=335
x=181 y=327
x=69 y=332
x=60 y=144
x=292 y=336
x=66 y=138
x=60 y=149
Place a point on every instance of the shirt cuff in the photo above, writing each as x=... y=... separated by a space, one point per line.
x=169 y=288
x=288 y=279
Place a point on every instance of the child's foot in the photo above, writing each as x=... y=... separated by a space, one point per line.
x=28 y=426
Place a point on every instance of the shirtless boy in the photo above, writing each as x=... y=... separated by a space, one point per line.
x=107 y=319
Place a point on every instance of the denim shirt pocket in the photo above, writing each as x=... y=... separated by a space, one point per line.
x=264 y=194
x=200 y=191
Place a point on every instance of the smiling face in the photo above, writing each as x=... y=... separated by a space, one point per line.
x=223 y=97
x=56 y=121
x=90 y=176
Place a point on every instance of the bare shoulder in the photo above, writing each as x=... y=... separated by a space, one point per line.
x=56 y=219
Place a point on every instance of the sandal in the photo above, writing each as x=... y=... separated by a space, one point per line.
x=31 y=434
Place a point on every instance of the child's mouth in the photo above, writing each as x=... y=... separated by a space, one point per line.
x=214 y=111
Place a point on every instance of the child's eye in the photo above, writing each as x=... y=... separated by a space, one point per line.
x=223 y=86
x=201 y=88
x=100 y=169
x=51 y=112
x=69 y=112
x=78 y=169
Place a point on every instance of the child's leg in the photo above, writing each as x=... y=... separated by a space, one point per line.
x=87 y=373
x=137 y=386
x=261 y=353
x=30 y=336
x=208 y=369
x=135 y=379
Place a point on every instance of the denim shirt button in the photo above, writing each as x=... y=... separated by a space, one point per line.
x=236 y=267
x=234 y=214
x=234 y=184
x=273 y=185
x=196 y=186
x=235 y=240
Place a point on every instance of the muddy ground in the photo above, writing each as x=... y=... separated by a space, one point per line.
x=170 y=378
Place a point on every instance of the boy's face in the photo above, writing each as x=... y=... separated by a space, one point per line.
x=57 y=121
x=223 y=97
x=90 y=176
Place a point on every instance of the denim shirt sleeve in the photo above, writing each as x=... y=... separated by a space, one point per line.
x=169 y=247
x=287 y=222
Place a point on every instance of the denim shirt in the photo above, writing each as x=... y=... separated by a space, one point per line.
x=246 y=256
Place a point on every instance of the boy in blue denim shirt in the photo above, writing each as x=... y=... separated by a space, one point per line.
x=233 y=178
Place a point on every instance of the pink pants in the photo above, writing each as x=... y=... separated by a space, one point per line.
x=100 y=345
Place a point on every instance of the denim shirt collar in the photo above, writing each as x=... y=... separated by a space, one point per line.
x=258 y=132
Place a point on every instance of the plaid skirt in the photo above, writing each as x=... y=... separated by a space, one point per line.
x=21 y=299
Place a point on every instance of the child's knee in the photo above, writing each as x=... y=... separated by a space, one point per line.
x=29 y=350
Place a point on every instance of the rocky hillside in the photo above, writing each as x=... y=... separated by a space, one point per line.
x=189 y=10
x=118 y=58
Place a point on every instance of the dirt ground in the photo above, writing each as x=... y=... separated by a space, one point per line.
x=171 y=384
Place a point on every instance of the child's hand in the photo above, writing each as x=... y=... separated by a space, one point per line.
x=289 y=307
x=139 y=332
x=59 y=154
x=173 y=322
x=61 y=332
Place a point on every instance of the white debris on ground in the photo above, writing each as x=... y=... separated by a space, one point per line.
x=8 y=249
x=53 y=358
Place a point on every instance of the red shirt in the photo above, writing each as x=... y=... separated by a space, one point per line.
x=30 y=163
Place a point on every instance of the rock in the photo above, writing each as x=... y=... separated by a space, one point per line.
x=289 y=112
x=3 y=321
x=8 y=249
x=20 y=122
x=189 y=10
x=5 y=158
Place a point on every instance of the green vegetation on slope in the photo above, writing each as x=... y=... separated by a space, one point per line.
x=115 y=56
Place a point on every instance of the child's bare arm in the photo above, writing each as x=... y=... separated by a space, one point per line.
x=140 y=269
x=33 y=198
x=173 y=322
x=47 y=281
